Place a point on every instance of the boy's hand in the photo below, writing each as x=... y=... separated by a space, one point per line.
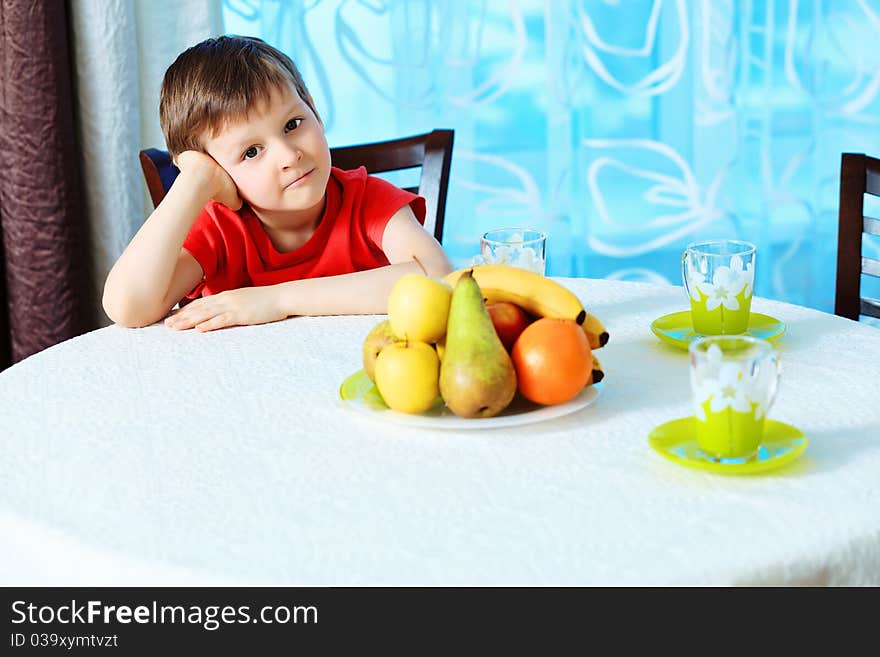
x=246 y=305
x=211 y=174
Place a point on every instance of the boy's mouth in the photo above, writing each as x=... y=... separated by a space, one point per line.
x=296 y=181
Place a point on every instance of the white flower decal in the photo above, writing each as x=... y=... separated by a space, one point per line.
x=695 y=278
x=737 y=386
x=749 y=275
x=722 y=290
x=727 y=283
x=763 y=377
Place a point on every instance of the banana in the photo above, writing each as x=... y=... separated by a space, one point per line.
x=595 y=330
x=536 y=294
x=598 y=372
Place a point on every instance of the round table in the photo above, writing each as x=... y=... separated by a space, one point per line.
x=150 y=457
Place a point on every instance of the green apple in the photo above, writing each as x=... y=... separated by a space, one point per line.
x=408 y=376
x=418 y=307
x=377 y=339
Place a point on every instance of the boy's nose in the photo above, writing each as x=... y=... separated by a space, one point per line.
x=289 y=156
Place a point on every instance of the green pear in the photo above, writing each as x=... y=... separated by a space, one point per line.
x=477 y=378
x=377 y=339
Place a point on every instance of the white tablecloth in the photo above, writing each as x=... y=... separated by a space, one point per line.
x=153 y=457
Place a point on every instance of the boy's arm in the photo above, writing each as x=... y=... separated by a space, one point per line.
x=154 y=271
x=408 y=247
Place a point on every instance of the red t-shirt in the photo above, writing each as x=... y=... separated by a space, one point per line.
x=235 y=251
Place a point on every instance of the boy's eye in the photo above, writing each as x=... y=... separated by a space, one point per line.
x=250 y=153
x=291 y=125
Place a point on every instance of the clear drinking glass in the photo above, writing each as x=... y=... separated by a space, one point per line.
x=517 y=247
x=734 y=381
x=719 y=277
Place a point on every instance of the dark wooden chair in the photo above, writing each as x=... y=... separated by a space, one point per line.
x=432 y=152
x=859 y=175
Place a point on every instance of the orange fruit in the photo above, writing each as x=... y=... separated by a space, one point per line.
x=553 y=360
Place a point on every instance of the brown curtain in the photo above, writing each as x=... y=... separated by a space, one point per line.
x=43 y=262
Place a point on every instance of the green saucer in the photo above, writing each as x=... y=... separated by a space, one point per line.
x=360 y=394
x=676 y=328
x=675 y=441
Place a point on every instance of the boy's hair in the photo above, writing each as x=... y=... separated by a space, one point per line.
x=219 y=80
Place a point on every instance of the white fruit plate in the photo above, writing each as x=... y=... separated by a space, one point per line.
x=360 y=394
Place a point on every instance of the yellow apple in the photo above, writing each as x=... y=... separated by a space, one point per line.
x=408 y=376
x=377 y=339
x=418 y=307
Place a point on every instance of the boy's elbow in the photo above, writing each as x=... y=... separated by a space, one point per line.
x=125 y=313
x=437 y=267
x=118 y=314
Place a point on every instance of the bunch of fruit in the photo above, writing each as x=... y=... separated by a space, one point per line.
x=479 y=335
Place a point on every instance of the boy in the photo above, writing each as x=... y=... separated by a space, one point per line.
x=258 y=222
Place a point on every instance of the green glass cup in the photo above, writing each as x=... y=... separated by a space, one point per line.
x=734 y=380
x=719 y=277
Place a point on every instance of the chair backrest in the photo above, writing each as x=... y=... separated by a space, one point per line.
x=431 y=151
x=859 y=175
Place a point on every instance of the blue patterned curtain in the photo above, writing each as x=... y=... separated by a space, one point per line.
x=624 y=129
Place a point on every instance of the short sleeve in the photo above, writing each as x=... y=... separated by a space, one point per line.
x=204 y=242
x=381 y=201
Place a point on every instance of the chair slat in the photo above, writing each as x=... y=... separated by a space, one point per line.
x=871 y=267
x=849 y=234
x=859 y=175
x=872 y=185
x=379 y=157
x=872 y=177
x=870 y=308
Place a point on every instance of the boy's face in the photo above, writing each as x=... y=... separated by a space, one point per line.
x=278 y=158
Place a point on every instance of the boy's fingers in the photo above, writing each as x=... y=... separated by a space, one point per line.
x=203 y=315
x=178 y=325
x=189 y=317
x=216 y=322
x=203 y=308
